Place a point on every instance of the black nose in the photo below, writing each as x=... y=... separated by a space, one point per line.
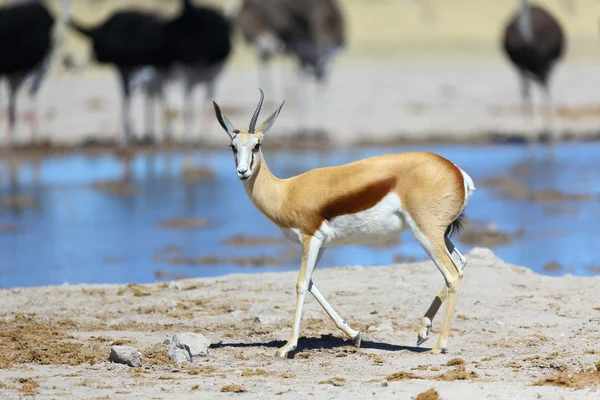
x=242 y=172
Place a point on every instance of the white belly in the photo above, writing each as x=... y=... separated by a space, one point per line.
x=381 y=222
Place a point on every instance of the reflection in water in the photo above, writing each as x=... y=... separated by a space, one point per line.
x=69 y=220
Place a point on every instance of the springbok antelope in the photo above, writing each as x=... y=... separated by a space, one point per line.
x=365 y=201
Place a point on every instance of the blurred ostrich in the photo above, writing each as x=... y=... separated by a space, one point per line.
x=134 y=42
x=534 y=42
x=311 y=30
x=28 y=35
x=199 y=44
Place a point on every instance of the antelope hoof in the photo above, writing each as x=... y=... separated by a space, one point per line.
x=357 y=340
x=283 y=351
x=423 y=335
x=421 y=339
x=438 y=350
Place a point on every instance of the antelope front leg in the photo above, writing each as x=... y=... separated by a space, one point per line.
x=310 y=253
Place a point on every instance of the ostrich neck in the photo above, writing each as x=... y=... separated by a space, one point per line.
x=524 y=21
x=266 y=192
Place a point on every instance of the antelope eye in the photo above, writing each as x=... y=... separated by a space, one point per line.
x=256 y=148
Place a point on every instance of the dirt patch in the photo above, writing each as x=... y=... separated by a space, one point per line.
x=244 y=240
x=457 y=374
x=118 y=187
x=184 y=223
x=34 y=342
x=552 y=266
x=431 y=394
x=575 y=380
x=516 y=189
x=488 y=235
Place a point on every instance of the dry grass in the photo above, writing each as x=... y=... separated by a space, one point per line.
x=34 y=342
x=29 y=387
x=335 y=381
x=254 y=372
x=401 y=376
x=202 y=370
x=233 y=389
x=459 y=373
x=574 y=380
x=134 y=289
x=156 y=354
x=455 y=361
x=431 y=394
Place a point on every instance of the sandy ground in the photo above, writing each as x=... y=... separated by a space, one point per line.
x=516 y=335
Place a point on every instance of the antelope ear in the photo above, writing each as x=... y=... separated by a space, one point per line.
x=225 y=123
x=265 y=126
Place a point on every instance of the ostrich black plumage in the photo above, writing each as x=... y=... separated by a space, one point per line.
x=534 y=41
x=199 y=43
x=313 y=31
x=132 y=41
x=26 y=43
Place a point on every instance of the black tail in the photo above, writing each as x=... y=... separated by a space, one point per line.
x=456 y=226
x=84 y=31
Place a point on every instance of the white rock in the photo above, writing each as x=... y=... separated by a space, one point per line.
x=125 y=355
x=188 y=347
x=481 y=252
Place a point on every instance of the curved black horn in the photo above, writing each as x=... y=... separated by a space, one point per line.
x=256 y=112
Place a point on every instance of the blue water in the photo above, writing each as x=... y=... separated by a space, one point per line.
x=76 y=233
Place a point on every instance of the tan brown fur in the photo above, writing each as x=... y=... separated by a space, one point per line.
x=426 y=183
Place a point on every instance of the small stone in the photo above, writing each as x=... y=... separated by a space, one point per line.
x=125 y=355
x=188 y=347
x=384 y=383
x=267 y=319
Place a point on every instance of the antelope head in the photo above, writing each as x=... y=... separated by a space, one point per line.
x=246 y=144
